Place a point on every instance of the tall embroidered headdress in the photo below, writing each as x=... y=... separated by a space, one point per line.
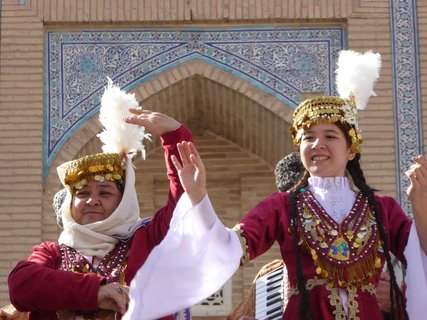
x=121 y=141
x=356 y=74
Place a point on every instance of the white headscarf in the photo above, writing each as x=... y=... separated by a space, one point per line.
x=98 y=238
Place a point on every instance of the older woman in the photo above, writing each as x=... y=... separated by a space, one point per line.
x=104 y=242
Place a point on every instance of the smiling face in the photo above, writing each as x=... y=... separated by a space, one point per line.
x=325 y=150
x=95 y=202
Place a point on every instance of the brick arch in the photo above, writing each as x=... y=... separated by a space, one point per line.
x=205 y=99
x=154 y=87
x=208 y=71
x=79 y=100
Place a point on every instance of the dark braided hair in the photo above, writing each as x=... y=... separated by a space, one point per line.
x=396 y=296
x=304 y=305
x=356 y=173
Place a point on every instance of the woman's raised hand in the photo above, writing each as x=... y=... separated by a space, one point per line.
x=154 y=122
x=191 y=171
x=417 y=173
x=417 y=193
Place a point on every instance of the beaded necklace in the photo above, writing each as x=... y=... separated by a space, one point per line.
x=346 y=253
x=112 y=267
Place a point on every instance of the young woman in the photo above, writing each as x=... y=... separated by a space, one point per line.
x=333 y=238
x=335 y=234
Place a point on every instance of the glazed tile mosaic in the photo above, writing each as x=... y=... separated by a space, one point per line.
x=282 y=61
x=406 y=91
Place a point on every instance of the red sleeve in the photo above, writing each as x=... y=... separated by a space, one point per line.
x=397 y=226
x=36 y=285
x=145 y=239
x=159 y=226
x=263 y=225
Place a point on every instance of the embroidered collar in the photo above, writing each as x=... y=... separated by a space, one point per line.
x=344 y=253
x=112 y=266
x=329 y=183
x=334 y=195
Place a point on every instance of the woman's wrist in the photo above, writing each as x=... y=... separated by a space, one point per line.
x=196 y=196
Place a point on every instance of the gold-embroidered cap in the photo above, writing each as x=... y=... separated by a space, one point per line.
x=121 y=141
x=330 y=109
x=356 y=74
x=75 y=174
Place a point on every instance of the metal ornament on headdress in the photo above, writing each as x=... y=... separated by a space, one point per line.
x=356 y=74
x=121 y=141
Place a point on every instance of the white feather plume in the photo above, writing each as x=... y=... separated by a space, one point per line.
x=356 y=74
x=119 y=136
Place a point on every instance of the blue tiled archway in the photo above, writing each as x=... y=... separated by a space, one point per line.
x=282 y=61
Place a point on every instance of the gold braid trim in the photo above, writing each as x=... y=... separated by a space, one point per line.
x=121 y=279
x=310 y=284
x=335 y=298
x=352 y=304
x=243 y=242
x=370 y=288
x=335 y=301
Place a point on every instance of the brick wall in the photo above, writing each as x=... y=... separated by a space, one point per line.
x=212 y=102
x=21 y=126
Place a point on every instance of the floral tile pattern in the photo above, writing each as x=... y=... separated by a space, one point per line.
x=282 y=61
x=406 y=91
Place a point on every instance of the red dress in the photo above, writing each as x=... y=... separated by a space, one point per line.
x=38 y=286
x=331 y=254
